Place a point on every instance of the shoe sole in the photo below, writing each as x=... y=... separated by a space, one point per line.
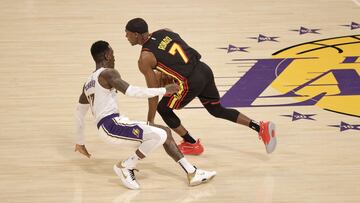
x=191 y=153
x=119 y=173
x=272 y=143
x=204 y=181
x=190 y=150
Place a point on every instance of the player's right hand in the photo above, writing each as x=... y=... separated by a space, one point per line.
x=82 y=149
x=172 y=88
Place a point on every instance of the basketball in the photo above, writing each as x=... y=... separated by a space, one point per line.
x=163 y=79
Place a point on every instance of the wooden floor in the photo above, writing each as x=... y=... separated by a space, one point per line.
x=45 y=58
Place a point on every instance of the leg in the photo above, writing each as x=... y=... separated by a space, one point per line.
x=192 y=87
x=169 y=145
x=195 y=176
x=152 y=139
x=193 y=147
x=170 y=117
x=210 y=99
x=266 y=130
x=117 y=130
x=218 y=111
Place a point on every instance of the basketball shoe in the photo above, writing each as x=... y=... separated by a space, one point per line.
x=127 y=177
x=267 y=135
x=191 y=149
x=200 y=176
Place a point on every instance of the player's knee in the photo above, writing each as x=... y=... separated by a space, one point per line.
x=220 y=112
x=169 y=137
x=165 y=136
x=215 y=110
x=162 y=136
x=158 y=135
x=168 y=116
x=163 y=109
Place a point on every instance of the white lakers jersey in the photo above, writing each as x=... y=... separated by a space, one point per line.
x=103 y=102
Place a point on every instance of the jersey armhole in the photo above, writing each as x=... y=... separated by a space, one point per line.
x=97 y=81
x=146 y=49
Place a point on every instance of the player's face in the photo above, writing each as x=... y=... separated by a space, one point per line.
x=132 y=37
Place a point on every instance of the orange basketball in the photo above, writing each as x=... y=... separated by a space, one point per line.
x=163 y=79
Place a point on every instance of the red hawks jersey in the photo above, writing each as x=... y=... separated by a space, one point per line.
x=174 y=57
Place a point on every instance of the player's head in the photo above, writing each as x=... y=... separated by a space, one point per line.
x=102 y=52
x=135 y=29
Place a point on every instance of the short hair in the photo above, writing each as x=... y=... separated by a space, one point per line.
x=98 y=50
x=137 y=25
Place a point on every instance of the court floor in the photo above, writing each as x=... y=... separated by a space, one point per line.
x=296 y=63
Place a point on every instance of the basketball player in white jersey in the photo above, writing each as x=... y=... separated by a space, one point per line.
x=99 y=93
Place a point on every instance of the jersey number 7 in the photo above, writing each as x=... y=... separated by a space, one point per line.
x=177 y=48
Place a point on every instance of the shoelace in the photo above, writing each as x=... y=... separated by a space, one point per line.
x=261 y=132
x=132 y=174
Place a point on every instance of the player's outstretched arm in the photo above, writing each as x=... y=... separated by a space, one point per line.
x=113 y=80
x=80 y=113
x=82 y=149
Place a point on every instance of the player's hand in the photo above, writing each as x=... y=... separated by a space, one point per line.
x=172 y=88
x=82 y=149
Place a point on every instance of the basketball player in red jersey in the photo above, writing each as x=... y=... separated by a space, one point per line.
x=165 y=51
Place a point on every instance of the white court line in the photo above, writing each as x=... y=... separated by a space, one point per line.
x=276 y=69
x=357 y=2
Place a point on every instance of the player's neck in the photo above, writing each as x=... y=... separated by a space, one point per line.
x=144 y=38
x=102 y=64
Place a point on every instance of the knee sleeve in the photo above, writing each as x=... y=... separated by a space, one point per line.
x=152 y=140
x=220 y=112
x=168 y=115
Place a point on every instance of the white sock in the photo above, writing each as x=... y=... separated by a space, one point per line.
x=131 y=161
x=186 y=165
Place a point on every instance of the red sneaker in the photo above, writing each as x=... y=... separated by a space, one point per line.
x=267 y=135
x=191 y=149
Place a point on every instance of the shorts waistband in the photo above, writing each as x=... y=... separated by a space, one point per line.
x=107 y=117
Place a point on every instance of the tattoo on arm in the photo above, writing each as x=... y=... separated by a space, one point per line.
x=114 y=80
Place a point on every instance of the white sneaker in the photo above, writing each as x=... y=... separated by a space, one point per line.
x=200 y=176
x=127 y=177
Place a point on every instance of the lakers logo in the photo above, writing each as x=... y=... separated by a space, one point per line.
x=136 y=132
x=324 y=73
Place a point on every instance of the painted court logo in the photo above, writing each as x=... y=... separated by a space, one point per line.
x=304 y=30
x=297 y=116
x=353 y=25
x=324 y=73
x=232 y=48
x=345 y=126
x=263 y=38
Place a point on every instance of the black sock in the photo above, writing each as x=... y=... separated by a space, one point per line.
x=187 y=138
x=254 y=125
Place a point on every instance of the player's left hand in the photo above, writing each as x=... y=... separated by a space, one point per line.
x=163 y=79
x=82 y=149
x=172 y=88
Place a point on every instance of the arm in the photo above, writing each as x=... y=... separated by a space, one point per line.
x=80 y=113
x=146 y=64
x=110 y=78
